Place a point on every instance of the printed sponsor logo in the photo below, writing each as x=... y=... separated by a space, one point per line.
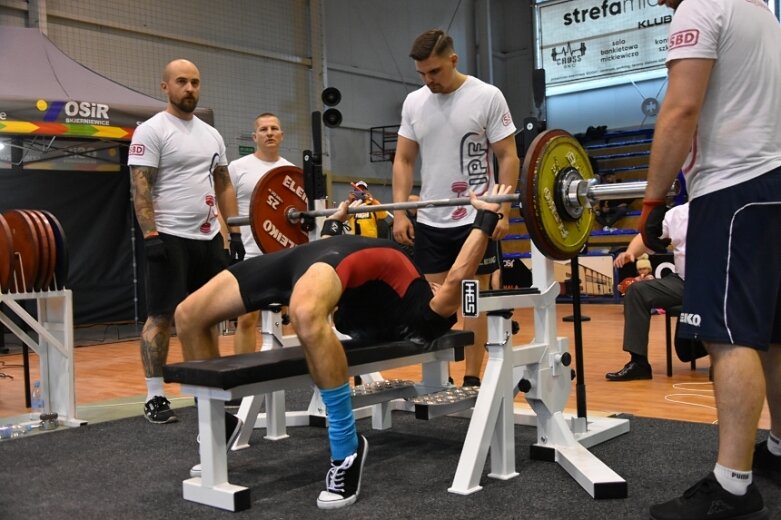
x=690 y=319
x=687 y=38
x=662 y=20
x=586 y=14
x=83 y=112
x=507 y=119
x=469 y=292
x=136 y=149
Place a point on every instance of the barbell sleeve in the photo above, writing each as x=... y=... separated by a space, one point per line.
x=624 y=190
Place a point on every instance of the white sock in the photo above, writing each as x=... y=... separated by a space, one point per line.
x=774 y=444
x=154 y=386
x=732 y=480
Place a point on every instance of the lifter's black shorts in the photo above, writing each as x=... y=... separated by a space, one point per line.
x=188 y=265
x=732 y=293
x=436 y=249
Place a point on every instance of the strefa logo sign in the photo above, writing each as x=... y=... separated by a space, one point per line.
x=82 y=112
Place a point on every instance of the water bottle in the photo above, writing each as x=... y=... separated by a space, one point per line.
x=36 y=402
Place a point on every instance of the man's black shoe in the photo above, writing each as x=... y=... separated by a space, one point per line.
x=707 y=500
x=471 y=381
x=631 y=372
x=765 y=463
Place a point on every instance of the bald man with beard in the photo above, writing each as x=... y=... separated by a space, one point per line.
x=180 y=182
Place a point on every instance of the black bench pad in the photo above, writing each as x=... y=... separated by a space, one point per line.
x=256 y=367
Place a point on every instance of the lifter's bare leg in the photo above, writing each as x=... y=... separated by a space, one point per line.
x=314 y=298
x=198 y=315
x=245 y=338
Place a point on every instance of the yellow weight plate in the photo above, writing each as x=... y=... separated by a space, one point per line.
x=553 y=154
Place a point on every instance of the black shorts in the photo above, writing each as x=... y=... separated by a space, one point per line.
x=436 y=249
x=188 y=265
x=732 y=293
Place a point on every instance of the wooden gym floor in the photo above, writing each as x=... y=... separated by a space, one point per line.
x=110 y=379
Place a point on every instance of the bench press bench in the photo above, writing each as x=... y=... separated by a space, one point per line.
x=269 y=373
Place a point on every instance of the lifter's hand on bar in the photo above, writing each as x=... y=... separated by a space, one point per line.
x=498 y=189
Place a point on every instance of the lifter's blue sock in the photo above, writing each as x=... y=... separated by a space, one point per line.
x=341 y=423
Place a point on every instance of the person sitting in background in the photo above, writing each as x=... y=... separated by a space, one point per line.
x=653 y=293
x=609 y=212
x=643 y=267
x=370 y=223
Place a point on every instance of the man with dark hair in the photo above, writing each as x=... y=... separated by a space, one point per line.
x=179 y=178
x=374 y=292
x=457 y=123
x=719 y=121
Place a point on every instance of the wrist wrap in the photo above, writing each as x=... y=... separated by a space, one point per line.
x=486 y=221
x=331 y=228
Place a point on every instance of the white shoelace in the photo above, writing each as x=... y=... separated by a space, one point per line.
x=334 y=480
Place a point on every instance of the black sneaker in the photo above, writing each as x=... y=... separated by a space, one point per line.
x=471 y=381
x=765 y=463
x=343 y=481
x=708 y=500
x=158 y=410
x=232 y=430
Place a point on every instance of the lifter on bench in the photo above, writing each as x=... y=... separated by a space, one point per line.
x=375 y=294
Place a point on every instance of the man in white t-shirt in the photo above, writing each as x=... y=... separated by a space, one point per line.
x=720 y=122
x=245 y=174
x=457 y=124
x=179 y=179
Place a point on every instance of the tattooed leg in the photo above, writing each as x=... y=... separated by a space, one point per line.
x=154 y=344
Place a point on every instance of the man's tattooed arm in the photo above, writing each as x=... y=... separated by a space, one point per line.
x=143 y=179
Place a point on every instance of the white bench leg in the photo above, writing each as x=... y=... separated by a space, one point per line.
x=213 y=488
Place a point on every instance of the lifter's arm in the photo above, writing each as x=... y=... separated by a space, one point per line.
x=447 y=299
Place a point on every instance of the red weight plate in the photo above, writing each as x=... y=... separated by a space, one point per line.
x=25 y=245
x=52 y=242
x=6 y=255
x=276 y=192
x=60 y=278
x=43 y=248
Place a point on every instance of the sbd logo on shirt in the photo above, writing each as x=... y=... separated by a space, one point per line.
x=687 y=38
x=136 y=149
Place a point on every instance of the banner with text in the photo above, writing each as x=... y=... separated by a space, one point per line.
x=583 y=40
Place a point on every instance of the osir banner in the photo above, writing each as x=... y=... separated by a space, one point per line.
x=587 y=39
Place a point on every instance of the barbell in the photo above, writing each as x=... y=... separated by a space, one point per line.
x=557 y=191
